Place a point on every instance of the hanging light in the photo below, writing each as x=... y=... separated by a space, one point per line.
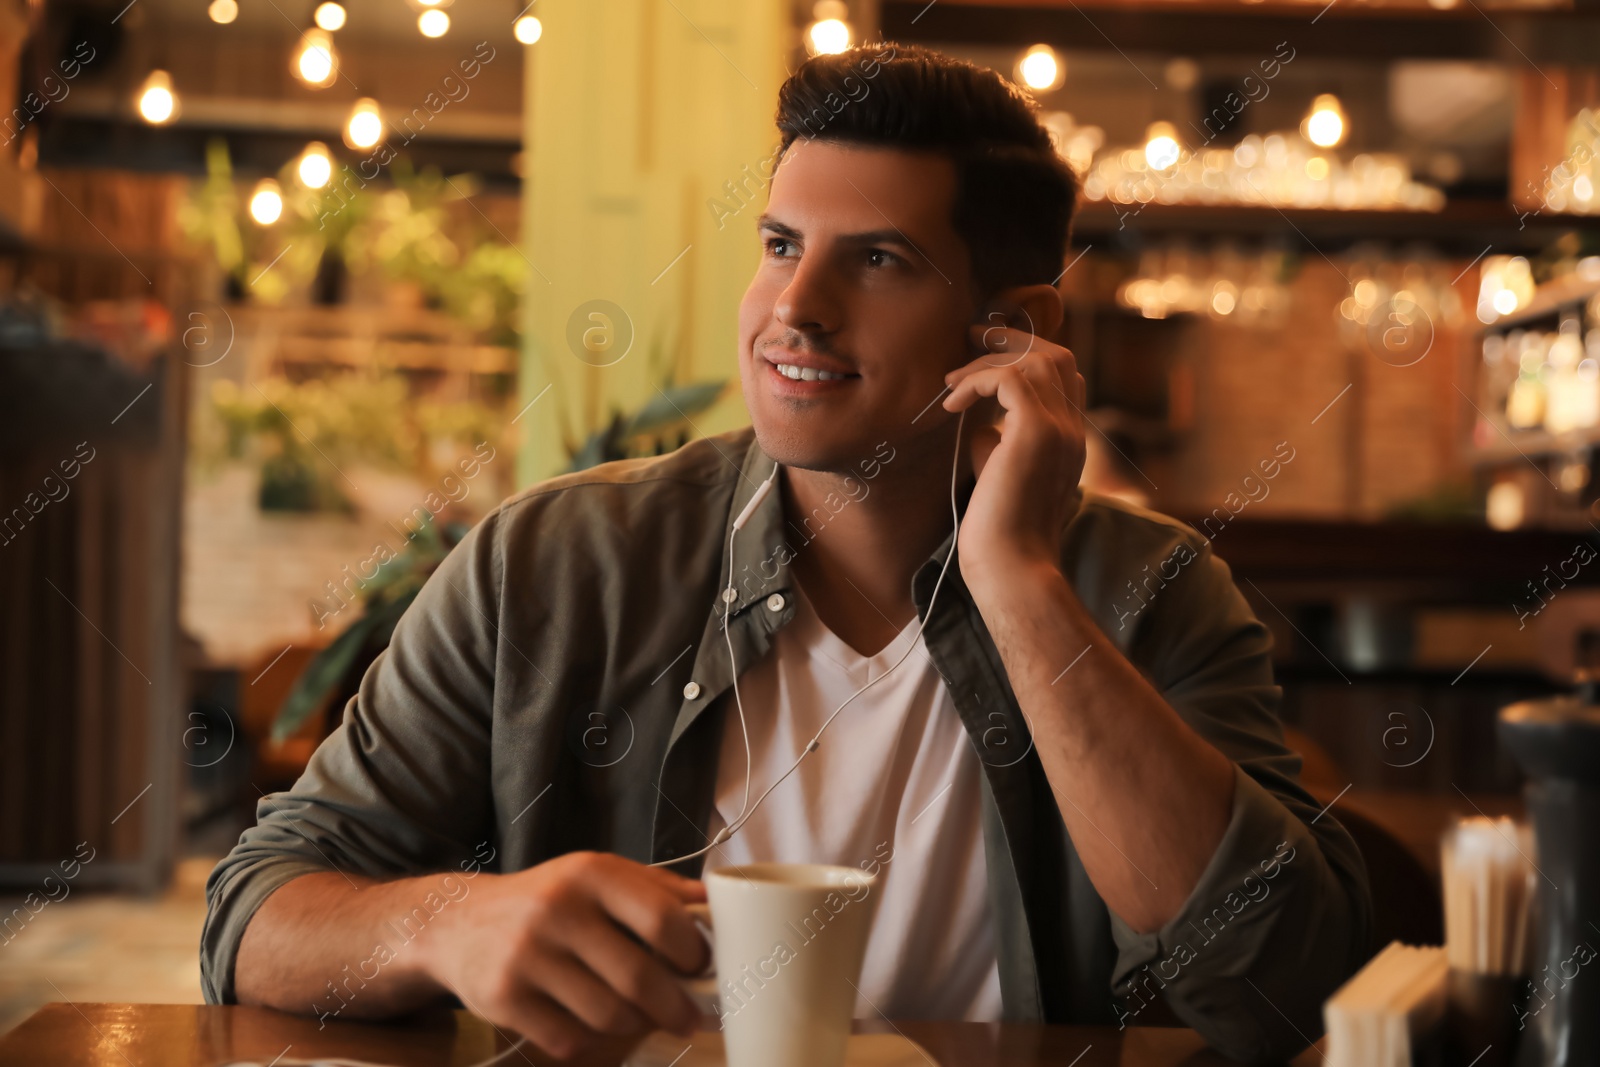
x=365 y=127
x=223 y=12
x=1325 y=125
x=1161 y=149
x=1041 y=69
x=266 y=203
x=316 y=63
x=829 y=32
x=330 y=16
x=527 y=29
x=158 y=103
x=315 y=166
x=433 y=23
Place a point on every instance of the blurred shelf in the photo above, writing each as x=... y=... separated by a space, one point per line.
x=1467 y=224
x=1349 y=9
x=362 y=336
x=1457 y=562
x=1550 y=298
x=1568 y=34
x=1530 y=444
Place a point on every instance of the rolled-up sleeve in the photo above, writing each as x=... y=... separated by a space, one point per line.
x=1281 y=915
x=402 y=785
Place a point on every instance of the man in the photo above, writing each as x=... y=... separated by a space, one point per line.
x=1073 y=785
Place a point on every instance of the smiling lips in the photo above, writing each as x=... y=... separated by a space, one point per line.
x=798 y=367
x=808 y=374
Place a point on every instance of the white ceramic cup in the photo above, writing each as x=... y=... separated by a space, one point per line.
x=787 y=943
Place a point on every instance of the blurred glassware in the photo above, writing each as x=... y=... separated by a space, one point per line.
x=1076 y=144
x=1172 y=280
x=1573 y=185
x=1505 y=283
x=1279 y=170
x=1396 y=302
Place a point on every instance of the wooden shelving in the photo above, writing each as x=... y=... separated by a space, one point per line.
x=1344 y=28
x=1464 y=226
x=1533 y=444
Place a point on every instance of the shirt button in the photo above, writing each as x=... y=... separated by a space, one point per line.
x=775 y=602
x=729 y=595
x=691 y=690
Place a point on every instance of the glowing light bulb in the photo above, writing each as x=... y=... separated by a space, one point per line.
x=1325 y=125
x=223 y=12
x=266 y=203
x=1504 y=302
x=528 y=29
x=1161 y=146
x=315 y=166
x=433 y=23
x=1505 y=506
x=158 y=104
x=316 y=63
x=330 y=16
x=1040 y=68
x=365 y=127
x=827 y=37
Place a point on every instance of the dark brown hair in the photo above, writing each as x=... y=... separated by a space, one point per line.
x=1014 y=193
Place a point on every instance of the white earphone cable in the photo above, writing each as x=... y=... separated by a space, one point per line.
x=747 y=809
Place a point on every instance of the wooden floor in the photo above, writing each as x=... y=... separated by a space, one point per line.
x=105 y=946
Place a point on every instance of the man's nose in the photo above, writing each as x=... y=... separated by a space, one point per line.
x=807 y=302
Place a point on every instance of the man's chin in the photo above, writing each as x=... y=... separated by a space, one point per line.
x=803 y=444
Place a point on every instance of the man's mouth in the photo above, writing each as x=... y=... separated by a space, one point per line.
x=810 y=374
x=799 y=365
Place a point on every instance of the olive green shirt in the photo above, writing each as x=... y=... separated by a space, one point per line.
x=560 y=684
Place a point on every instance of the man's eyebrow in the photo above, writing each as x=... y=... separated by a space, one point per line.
x=866 y=237
x=767 y=222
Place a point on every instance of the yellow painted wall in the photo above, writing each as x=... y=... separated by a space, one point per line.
x=636 y=115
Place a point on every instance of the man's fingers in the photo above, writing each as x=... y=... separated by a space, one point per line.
x=590 y=999
x=658 y=917
x=1007 y=384
x=550 y=1027
x=638 y=976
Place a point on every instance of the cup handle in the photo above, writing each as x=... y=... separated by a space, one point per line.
x=702 y=988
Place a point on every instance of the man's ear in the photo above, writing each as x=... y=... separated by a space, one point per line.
x=1036 y=309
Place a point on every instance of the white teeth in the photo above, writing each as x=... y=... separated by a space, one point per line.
x=808 y=374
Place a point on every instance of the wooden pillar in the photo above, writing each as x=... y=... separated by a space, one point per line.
x=646 y=127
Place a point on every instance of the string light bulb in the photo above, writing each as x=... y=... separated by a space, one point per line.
x=829 y=32
x=1325 y=125
x=1161 y=149
x=365 y=127
x=158 y=102
x=528 y=29
x=316 y=63
x=1041 y=69
x=266 y=203
x=433 y=22
x=315 y=166
x=223 y=12
x=330 y=16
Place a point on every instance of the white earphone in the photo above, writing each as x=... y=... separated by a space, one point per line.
x=746 y=810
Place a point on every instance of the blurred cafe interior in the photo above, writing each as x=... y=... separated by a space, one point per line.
x=276 y=275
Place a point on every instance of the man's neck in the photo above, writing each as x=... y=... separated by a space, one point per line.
x=865 y=539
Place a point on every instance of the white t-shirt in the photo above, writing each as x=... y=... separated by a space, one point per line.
x=895 y=783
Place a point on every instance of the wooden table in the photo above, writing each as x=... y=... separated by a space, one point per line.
x=194 y=1035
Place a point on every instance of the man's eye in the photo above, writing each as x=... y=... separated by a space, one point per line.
x=879 y=258
x=779 y=246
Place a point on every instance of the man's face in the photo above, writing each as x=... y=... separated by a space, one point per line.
x=862 y=275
